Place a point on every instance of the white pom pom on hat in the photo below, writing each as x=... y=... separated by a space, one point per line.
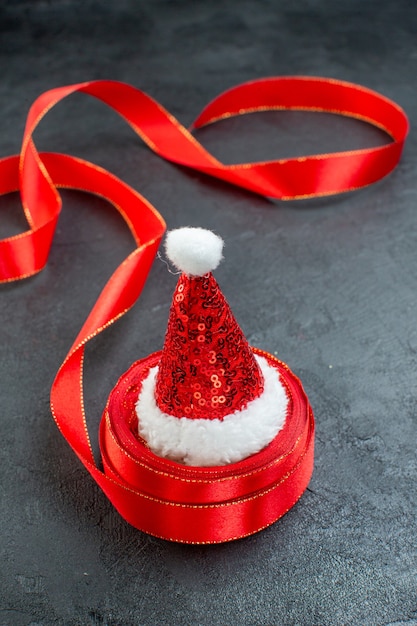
x=194 y=251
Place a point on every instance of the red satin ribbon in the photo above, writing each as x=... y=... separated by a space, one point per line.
x=38 y=175
x=209 y=504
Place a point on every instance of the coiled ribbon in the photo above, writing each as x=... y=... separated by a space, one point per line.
x=38 y=175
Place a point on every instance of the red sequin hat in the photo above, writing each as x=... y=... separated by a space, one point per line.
x=218 y=435
x=207 y=404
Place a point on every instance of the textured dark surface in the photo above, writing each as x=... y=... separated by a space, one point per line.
x=330 y=286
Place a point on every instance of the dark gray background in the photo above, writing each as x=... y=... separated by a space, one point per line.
x=330 y=285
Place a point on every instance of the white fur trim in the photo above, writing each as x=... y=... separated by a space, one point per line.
x=205 y=442
x=194 y=251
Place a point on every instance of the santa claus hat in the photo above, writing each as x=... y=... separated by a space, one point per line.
x=210 y=400
x=213 y=436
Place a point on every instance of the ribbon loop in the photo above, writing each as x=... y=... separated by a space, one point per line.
x=38 y=175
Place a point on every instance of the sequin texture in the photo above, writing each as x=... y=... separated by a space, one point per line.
x=207 y=369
